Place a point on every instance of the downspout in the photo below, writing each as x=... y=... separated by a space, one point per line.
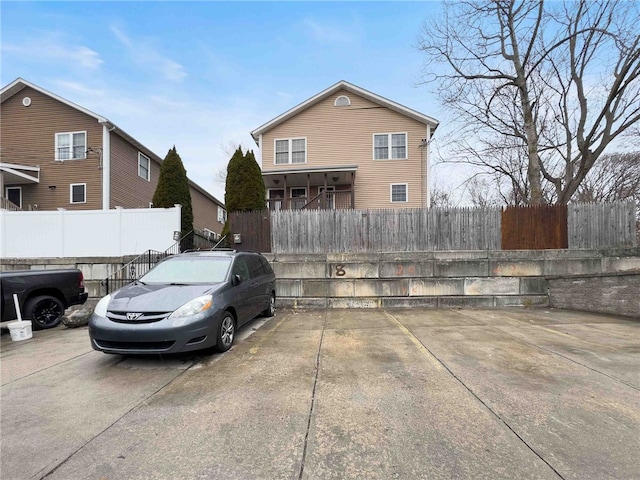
x=427 y=176
x=107 y=128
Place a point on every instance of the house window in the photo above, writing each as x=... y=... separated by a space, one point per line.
x=78 y=193
x=14 y=195
x=399 y=193
x=210 y=234
x=71 y=145
x=291 y=150
x=298 y=197
x=144 y=166
x=389 y=146
x=342 y=101
x=298 y=192
x=222 y=215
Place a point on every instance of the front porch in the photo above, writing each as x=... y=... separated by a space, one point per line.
x=311 y=188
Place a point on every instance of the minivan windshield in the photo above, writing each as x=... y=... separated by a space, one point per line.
x=188 y=270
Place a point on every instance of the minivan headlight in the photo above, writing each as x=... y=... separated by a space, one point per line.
x=193 y=307
x=101 y=306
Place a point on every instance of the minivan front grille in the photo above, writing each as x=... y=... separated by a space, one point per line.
x=150 y=346
x=144 y=317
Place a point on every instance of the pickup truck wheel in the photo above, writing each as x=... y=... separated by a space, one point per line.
x=44 y=311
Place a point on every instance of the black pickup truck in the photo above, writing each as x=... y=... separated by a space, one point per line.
x=43 y=295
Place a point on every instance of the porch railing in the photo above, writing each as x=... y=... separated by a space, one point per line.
x=340 y=199
x=6 y=204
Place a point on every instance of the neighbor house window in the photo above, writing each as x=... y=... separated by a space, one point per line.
x=389 y=146
x=71 y=145
x=78 y=193
x=144 y=166
x=291 y=150
x=399 y=193
x=14 y=195
x=222 y=215
x=210 y=234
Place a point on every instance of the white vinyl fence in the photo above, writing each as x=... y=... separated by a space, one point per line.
x=87 y=233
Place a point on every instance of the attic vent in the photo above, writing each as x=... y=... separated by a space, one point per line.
x=342 y=101
x=26 y=101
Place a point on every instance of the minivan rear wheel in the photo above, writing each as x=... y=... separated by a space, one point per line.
x=271 y=309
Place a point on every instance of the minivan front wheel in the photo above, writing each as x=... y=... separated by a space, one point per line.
x=226 y=332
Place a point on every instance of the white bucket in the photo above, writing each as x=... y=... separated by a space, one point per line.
x=20 y=330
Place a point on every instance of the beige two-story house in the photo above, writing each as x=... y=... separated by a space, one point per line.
x=57 y=154
x=346 y=147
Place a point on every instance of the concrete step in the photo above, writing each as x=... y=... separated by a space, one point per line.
x=453 y=301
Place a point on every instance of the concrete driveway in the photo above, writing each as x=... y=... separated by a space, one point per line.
x=433 y=394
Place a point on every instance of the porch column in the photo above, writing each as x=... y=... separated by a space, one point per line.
x=286 y=198
x=353 y=193
x=324 y=196
x=308 y=188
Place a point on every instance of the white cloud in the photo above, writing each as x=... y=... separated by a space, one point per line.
x=146 y=55
x=328 y=33
x=52 y=48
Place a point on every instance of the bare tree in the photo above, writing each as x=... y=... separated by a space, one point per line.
x=539 y=90
x=616 y=177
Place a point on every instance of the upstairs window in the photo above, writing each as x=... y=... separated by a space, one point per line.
x=222 y=214
x=71 y=146
x=144 y=166
x=390 y=146
x=342 y=101
x=290 y=150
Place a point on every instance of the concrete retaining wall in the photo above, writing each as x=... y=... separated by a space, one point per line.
x=617 y=294
x=597 y=280
x=436 y=279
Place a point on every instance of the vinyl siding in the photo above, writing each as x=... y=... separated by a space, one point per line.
x=128 y=190
x=344 y=136
x=205 y=212
x=27 y=137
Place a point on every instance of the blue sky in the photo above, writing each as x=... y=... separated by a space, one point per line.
x=202 y=75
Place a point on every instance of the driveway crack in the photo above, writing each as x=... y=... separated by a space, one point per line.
x=313 y=399
x=470 y=390
x=134 y=407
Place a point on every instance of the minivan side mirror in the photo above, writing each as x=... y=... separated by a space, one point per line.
x=236 y=280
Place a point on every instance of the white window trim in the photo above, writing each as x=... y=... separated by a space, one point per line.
x=6 y=194
x=148 y=179
x=406 y=188
x=290 y=151
x=389 y=146
x=71 y=193
x=224 y=214
x=55 y=153
x=210 y=234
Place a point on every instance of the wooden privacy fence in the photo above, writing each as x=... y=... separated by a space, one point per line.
x=408 y=230
x=602 y=225
x=254 y=229
x=413 y=230
x=534 y=228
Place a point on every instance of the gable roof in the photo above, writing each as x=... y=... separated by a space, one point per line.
x=20 y=84
x=344 y=85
